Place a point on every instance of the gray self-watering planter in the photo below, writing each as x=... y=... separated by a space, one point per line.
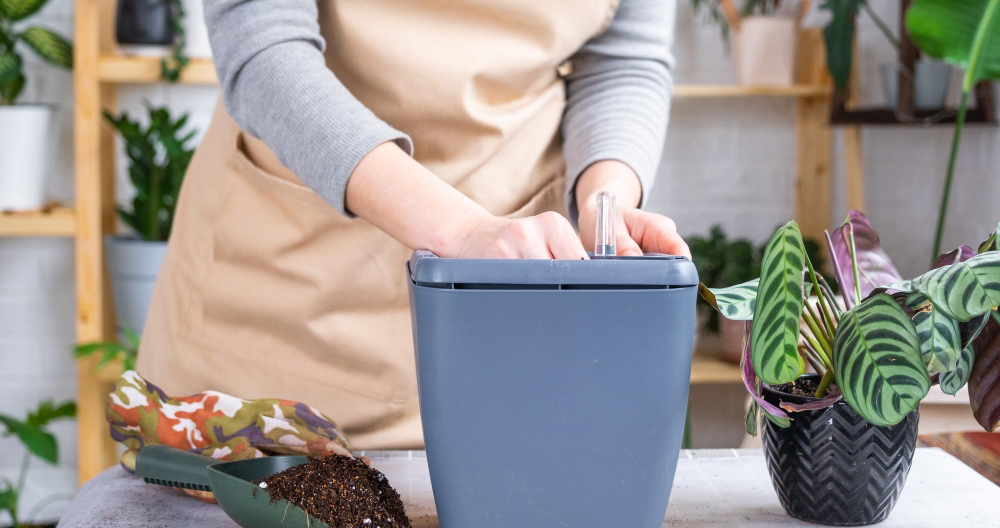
x=552 y=392
x=133 y=264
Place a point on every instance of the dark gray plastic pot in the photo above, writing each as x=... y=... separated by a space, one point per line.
x=833 y=467
x=930 y=84
x=133 y=264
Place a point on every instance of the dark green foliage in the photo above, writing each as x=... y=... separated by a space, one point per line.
x=34 y=434
x=159 y=156
x=171 y=67
x=46 y=43
x=127 y=352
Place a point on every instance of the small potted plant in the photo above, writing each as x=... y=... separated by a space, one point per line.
x=764 y=34
x=33 y=433
x=26 y=131
x=158 y=155
x=839 y=441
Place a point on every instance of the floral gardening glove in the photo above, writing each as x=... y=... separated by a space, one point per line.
x=217 y=425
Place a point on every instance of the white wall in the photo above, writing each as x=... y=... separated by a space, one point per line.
x=728 y=161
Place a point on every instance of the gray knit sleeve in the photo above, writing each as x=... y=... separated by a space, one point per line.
x=618 y=95
x=276 y=85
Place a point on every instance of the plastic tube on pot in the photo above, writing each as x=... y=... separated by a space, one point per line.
x=604 y=239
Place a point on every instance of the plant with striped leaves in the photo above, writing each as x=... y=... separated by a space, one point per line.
x=44 y=42
x=882 y=344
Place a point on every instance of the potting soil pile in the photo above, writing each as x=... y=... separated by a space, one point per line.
x=340 y=491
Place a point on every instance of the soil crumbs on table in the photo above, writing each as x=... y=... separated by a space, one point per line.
x=340 y=491
x=801 y=387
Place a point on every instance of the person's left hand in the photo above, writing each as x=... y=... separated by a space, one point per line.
x=636 y=231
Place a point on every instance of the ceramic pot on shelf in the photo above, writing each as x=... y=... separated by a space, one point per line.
x=26 y=149
x=930 y=84
x=133 y=264
x=144 y=27
x=833 y=467
x=195 y=30
x=764 y=51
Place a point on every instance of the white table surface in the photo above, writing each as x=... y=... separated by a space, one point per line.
x=712 y=488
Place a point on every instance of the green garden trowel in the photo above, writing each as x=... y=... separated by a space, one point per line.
x=244 y=502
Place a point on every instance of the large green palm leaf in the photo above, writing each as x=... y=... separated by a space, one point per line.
x=775 y=335
x=877 y=361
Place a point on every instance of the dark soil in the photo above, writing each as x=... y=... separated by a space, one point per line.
x=801 y=387
x=341 y=491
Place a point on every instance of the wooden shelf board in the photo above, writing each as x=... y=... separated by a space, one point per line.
x=57 y=221
x=736 y=90
x=888 y=116
x=709 y=369
x=124 y=69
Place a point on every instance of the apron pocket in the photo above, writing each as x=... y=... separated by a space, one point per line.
x=294 y=286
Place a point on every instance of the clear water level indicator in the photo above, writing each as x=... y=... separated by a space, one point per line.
x=604 y=240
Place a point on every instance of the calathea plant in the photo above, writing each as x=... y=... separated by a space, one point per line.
x=159 y=155
x=46 y=43
x=886 y=344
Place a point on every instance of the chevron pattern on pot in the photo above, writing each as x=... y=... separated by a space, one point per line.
x=833 y=467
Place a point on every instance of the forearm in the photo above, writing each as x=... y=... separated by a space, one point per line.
x=393 y=192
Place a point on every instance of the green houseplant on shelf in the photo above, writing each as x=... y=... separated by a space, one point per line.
x=839 y=441
x=33 y=433
x=158 y=154
x=26 y=130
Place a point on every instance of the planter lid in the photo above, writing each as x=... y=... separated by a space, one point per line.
x=648 y=271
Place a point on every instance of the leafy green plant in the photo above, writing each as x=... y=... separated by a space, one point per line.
x=883 y=350
x=965 y=33
x=171 y=67
x=159 y=155
x=714 y=12
x=38 y=441
x=45 y=42
x=127 y=352
x=839 y=36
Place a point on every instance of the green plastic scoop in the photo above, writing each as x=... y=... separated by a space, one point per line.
x=243 y=501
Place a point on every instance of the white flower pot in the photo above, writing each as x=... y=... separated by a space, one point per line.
x=195 y=30
x=133 y=265
x=26 y=148
x=764 y=51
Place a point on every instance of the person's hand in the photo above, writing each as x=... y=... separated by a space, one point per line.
x=545 y=236
x=636 y=231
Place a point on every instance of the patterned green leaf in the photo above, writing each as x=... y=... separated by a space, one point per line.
x=49 y=46
x=953 y=381
x=750 y=420
x=916 y=300
x=775 y=335
x=20 y=9
x=735 y=302
x=10 y=66
x=991 y=243
x=965 y=290
x=877 y=363
x=940 y=340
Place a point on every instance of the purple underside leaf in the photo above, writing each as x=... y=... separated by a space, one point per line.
x=828 y=400
x=954 y=256
x=874 y=266
x=750 y=380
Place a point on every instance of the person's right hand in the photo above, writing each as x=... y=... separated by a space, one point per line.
x=545 y=236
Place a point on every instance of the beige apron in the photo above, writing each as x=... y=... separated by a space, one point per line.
x=267 y=291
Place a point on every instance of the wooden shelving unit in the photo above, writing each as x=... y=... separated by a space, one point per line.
x=54 y=222
x=99 y=69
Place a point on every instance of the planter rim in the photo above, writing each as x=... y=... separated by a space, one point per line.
x=132 y=238
x=793 y=398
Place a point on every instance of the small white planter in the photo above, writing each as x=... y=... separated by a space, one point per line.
x=194 y=28
x=26 y=148
x=133 y=265
x=764 y=51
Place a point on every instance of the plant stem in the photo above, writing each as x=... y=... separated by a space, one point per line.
x=819 y=325
x=854 y=265
x=837 y=311
x=818 y=350
x=881 y=25
x=814 y=362
x=943 y=211
x=19 y=489
x=837 y=271
x=819 y=292
x=824 y=383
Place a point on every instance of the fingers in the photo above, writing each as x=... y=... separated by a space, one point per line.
x=655 y=233
x=562 y=242
x=626 y=245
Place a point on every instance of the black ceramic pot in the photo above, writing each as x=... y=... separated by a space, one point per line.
x=833 y=467
x=144 y=22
